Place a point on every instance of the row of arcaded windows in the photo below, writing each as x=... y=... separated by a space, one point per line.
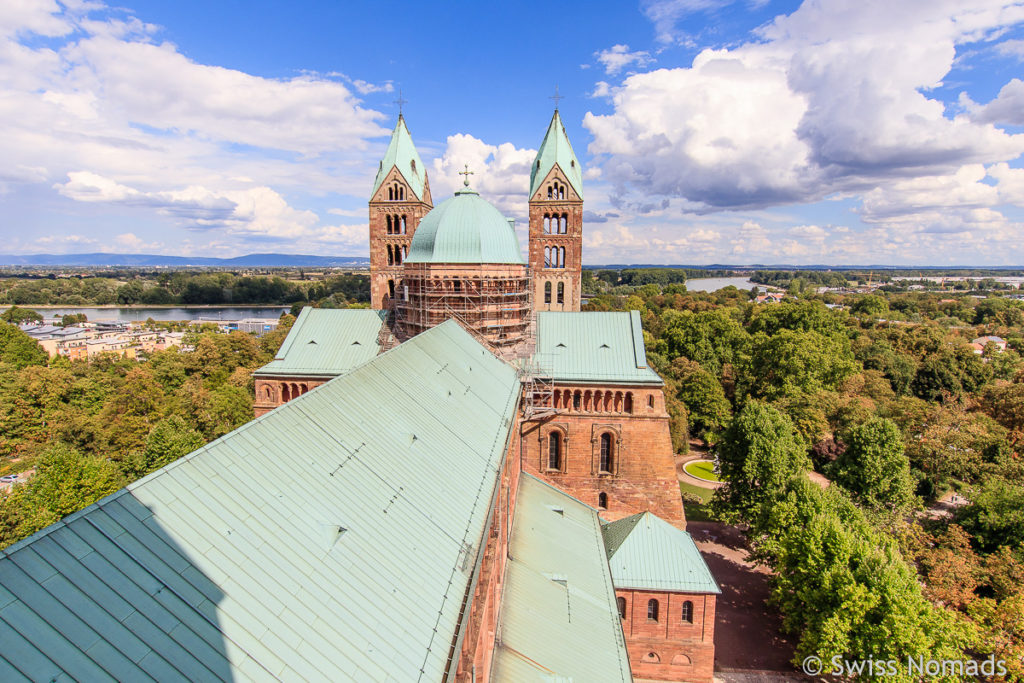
x=397 y=254
x=561 y=292
x=288 y=391
x=395 y=224
x=686 y=613
x=594 y=401
x=607 y=457
x=396 y=192
x=554 y=257
x=556 y=190
x=555 y=224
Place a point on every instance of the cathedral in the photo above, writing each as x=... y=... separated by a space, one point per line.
x=472 y=480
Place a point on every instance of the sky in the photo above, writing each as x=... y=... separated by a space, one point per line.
x=710 y=131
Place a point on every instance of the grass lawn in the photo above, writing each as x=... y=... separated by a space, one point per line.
x=702 y=469
x=696 y=512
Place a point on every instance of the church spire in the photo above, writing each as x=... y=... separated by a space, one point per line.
x=555 y=149
x=402 y=155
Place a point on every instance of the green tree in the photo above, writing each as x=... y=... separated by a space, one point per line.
x=711 y=338
x=790 y=363
x=758 y=455
x=871 y=306
x=16 y=315
x=708 y=409
x=995 y=515
x=170 y=439
x=874 y=467
x=19 y=349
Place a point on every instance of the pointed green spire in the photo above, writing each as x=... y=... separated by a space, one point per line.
x=402 y=154
x=555 y=149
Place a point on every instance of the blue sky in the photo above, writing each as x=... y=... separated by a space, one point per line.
x=838 y=132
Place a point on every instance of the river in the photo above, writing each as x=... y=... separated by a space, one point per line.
x=713 y=284
x=128 y=314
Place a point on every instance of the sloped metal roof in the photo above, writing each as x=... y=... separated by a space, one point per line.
x=556 y=149
x=401 y=154
x=647 y=553
x=327 y=342
x=465 y=229
x=558 y=619
x=332 y=539
x=593 y=347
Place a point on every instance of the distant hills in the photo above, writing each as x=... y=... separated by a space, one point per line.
x=96 y=260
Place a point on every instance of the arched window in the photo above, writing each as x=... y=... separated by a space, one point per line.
x=403 y=225
x=688 y=612
x=621 y=603
x=561 y=191
x=650 y=401
x=388 y=219
x=652 y=610
x=628 y=405
x=547 y=292
x=391 y=193
x=602 y=501
x=303 y=388
x=268 y=393
x=551 y=192
x=391 y=256
x=391 y=288
x=561 y=257
x=456 y=285
x=561 y=292
x=563 y=224
x=405 y=251
x=547 y=224
x=554 y=451
x=547 y=257
x=401 y=192
x=607 y=453
x=285 y=394
x=577 y=399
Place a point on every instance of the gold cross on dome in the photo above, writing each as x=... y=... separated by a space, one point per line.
x=466 y=173
x=556 y=97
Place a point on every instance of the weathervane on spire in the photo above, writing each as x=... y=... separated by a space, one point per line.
x=466 y=173
x=556 y=97
x=400 y=102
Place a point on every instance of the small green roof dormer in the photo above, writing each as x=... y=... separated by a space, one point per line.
x=555 y=149
x=402 y=154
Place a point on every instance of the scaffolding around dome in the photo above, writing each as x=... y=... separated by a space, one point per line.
x=490 y=299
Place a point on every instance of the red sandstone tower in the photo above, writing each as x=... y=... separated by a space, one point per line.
x=400 y=198
x=556 y=222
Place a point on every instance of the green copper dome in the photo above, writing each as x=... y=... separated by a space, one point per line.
x=465 y=229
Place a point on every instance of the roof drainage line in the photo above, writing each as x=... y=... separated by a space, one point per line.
x=396 y=492
x=178 y=595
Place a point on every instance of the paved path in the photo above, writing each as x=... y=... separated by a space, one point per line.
x=697 y=452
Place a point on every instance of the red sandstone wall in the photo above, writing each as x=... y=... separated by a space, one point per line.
x=670 y=649
x=478 y=644
x=270 y=393
x=380 y=208
x=572 y=240
x=643 y=475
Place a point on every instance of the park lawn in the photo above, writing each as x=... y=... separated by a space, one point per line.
x=702 y=469
x=696 y=512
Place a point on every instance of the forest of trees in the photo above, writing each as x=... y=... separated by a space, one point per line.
x=88 y=428
x=183 y=287
x=895 y=415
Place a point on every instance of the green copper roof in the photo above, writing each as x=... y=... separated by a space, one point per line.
x=647 y=553
x=402 y=154
x=558 y=618
x=334 y=538
x=465 y=229
x=555 y=149
x=326 y=342
x=593 y=347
